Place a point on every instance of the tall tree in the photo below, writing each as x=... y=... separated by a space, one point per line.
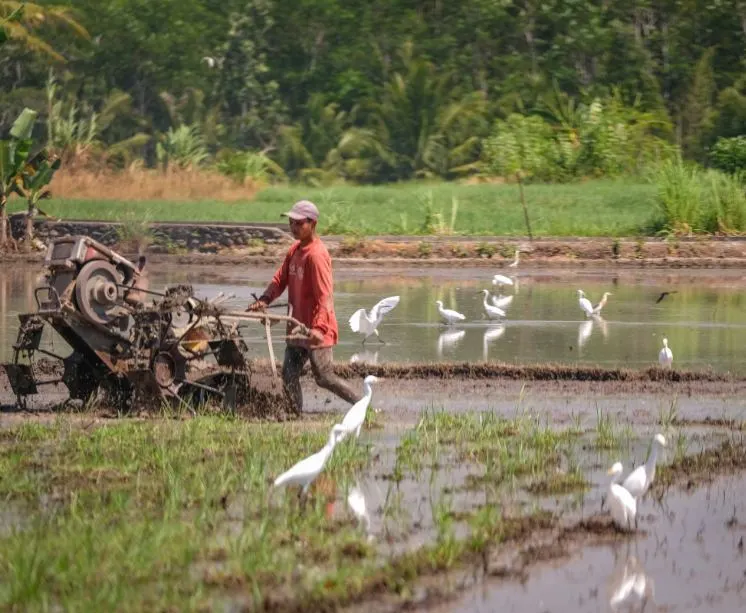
x=21 y=21
x=248 y=90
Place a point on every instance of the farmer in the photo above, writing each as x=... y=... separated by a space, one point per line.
x=307 y=274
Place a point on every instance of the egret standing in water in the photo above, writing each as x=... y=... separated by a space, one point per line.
x=621 y=503
x=665 y=356
x=449 y=317
x=601 y=304
x=355 y=417
x=585 y=304
x=514 y=263
x=305 y=472
x=367 y=323
x=639 y=480
x=490 y=310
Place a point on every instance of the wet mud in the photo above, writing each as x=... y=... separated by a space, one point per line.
x=572 y=553
x=696 y=398
x=690 y=557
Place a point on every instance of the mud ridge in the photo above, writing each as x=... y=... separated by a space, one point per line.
x=527 y=372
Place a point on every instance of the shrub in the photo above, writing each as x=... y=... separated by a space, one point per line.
x=725 y=203
x=691 y=199
x=248 y=165
x=679 y=196
x=729 y=154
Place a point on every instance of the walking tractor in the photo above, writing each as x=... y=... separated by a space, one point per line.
x=129 y=343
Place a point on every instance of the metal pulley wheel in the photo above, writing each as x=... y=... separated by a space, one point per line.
x=96 y=291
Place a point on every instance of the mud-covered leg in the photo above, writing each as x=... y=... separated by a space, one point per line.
x=322 y=367
x=292 y=367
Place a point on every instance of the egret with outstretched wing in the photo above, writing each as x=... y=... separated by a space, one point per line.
x=366 y=323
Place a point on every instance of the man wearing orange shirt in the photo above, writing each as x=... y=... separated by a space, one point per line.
x=307 y=275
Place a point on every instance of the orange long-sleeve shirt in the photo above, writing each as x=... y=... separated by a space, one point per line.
x=307 y=274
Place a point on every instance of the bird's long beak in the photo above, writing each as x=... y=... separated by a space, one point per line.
x=610 y=472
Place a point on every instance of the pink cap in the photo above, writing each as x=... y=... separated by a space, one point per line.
x=303 y=209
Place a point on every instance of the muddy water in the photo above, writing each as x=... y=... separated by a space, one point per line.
x=402 y=513
x=691 y=557
x=705 y=320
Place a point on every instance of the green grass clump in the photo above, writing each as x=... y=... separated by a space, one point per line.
x=164 y=515
x=592 y=208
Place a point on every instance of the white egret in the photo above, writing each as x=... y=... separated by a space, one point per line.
x=491 y=333
x=305 y=472
x=491 y=311
x=502 y=302
x=602 y=303
x=449 y=339
x=449 y=317
x=501 y=280
x=355 y=417
x=665 y=356
x=585 y=304
x=621 y=503
x=367 y=323
x=514 y=263
x=639 y=480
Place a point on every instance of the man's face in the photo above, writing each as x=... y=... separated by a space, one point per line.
x=302 y=229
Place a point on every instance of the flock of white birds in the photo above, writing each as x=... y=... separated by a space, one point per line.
x=622 y=499
x=366 y=323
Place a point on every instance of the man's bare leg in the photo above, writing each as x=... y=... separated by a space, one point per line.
x=322 y=366
x=292 y=367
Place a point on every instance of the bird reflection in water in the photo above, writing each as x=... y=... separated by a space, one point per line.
x=491 y=333
x=586 y=327
x=368 y=357
x=449 y=340
x=630 y=588
x=357 y=504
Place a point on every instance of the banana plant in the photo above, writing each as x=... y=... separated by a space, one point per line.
x=34 y=186
x=14 y=156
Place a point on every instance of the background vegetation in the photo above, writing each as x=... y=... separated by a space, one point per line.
x=328 y=91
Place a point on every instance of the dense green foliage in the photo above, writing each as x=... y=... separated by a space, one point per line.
x=332 y=89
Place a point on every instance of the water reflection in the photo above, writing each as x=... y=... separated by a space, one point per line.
x=584 y=332
x=705 y=321
x=501 y=302
x=449 y=340
x=629 y=585
x=358 y=505
x=366 y=356
x=585 y=329
x=491 y=333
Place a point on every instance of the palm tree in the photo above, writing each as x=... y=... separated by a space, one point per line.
x=19 y=20
x=422 y=123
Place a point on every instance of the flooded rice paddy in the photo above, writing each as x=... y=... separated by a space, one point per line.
x=704 y=316
x=459 y=496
